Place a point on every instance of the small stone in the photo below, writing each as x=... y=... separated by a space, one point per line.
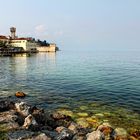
x=83 y=107
x=29 y=120
x=99 y=115
x=20 y=94
x=95 y=135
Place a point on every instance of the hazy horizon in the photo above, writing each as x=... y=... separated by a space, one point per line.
x=80 y=24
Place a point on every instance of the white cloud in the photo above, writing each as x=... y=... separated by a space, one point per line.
x=40 y=29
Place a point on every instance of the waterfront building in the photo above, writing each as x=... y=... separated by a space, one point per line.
x=3 y=38
x=28 y=44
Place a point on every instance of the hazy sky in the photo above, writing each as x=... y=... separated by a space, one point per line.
x=80 y=24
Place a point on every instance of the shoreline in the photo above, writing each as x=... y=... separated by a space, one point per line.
x=18 y=119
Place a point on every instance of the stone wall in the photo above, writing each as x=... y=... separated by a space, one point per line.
x=51 y=48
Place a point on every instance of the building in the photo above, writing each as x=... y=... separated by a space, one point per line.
x=27 y=44
x=51 y=48
x=3 y=38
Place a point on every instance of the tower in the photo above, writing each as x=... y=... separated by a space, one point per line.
x=13 y=32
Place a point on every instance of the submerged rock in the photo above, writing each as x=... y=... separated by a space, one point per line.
x=20 y=94
x=82 y=114
x=23 y=108
x=82 y=122
x=95 y=135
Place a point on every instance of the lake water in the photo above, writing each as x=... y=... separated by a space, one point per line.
x=100 y=80
x=53 y=79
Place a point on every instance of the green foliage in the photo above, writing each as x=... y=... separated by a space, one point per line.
x=43 y=43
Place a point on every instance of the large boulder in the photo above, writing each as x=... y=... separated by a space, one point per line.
x=29 y=120
x=23 y=108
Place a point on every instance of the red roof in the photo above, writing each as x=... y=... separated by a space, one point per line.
x=3 y=37
x=22 y=38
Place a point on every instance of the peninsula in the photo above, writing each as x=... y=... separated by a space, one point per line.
x=14 y=44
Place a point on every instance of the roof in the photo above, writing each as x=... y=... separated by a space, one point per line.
x=3 y=37
x=22 y=38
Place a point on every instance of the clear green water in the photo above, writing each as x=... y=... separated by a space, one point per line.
x=72 y=79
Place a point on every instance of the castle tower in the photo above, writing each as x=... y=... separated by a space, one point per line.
x=13 y=32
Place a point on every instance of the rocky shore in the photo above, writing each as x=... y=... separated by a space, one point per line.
x=21 y=121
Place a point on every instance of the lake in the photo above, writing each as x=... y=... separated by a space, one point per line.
x=101 y=80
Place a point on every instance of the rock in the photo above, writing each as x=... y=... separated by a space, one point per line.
x=6 y=104
x=120 y=134
x=82 y=114
x=64 y=135
x=81 y=134
x=95 y=135
x=39 y=115
x=29 y=120
x=8 y=116
x=99 y=115
x=106 y=128
x=20 y=94
x=52 y=134
x=41 y=136
x=10 y=126
x=66 y=112
x=82 y=122
x=73 y=127
x=20 y=134
x=23 y=108
x=58 y=116
x=8 y=120
x=135 y=133
x=59 y=129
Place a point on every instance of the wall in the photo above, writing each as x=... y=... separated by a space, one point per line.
x=51 y=48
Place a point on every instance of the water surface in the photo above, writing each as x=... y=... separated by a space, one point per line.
x=70 y=78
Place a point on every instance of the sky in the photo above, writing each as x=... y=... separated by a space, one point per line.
x=75 y=24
